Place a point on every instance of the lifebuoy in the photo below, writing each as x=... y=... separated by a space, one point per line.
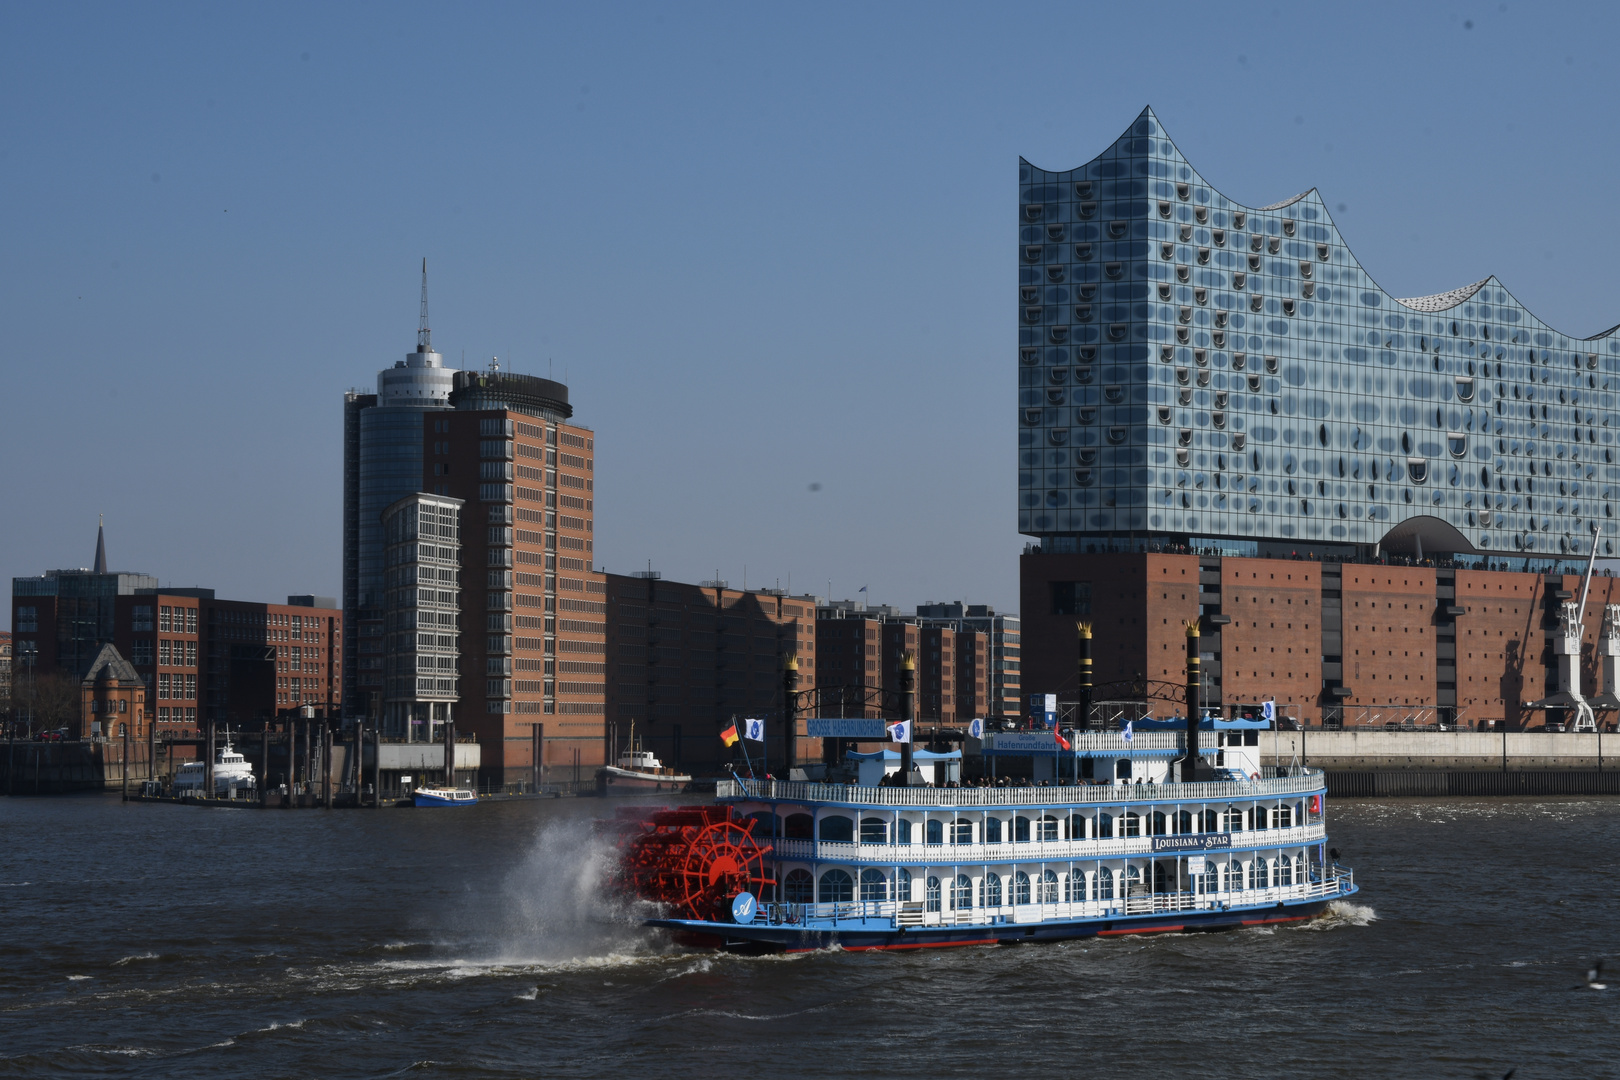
x=1254 y=776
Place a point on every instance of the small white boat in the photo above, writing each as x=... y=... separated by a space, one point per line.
x=638 y=772
x=231 y=773
x=443 y=796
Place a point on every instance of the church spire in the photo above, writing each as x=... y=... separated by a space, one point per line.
x=101 y=545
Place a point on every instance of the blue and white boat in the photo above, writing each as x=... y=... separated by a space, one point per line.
x=443 y=796
x=1104 y=841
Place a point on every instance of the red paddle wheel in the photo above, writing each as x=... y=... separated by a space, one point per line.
x=692 y=858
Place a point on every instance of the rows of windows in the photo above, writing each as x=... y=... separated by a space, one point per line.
x=1016 y=828
x=1190 y=365
x=1048 y=885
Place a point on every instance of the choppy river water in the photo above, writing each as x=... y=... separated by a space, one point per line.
x=156 y=940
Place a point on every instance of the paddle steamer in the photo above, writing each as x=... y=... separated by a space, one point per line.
x=1110 y=842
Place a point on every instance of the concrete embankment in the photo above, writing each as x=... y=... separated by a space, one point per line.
x=1393 y=763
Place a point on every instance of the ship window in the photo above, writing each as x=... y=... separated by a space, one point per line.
x=837 y=829
x=1105 y=883
x=1132 y=824
x=1020 y=887
x=837 y=887
x=1285 y=871
x=1156 y=824
x=1259 y=874
x=1049 y=888
x=1076 y=890
x=962 y=832
x=1021 y=830
x=962 y=894
x=874 y=886
x=992 y=889
x=1209 y=821
x=1105 y=825
x=1283 y=817
x=798 y=887
x=1046 y=828
x=936 y=832
x=1077 y=826
x=1258 y=817
x=764 y=823
x=933 y=894
x=874 y=831
x=799 y=827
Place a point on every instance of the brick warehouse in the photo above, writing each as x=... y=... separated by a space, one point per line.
x=1337 y=642
x=237 y=662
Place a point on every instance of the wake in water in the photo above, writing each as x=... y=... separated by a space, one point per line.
x=556 y=908
x=1342 y=913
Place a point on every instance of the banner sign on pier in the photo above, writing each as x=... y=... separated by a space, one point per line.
x=1218 y=841
x=829 y=728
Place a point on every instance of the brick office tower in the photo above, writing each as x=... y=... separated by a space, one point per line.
x=1222 y=415
x=685 y=660
x=532 y=645
x=860 y=652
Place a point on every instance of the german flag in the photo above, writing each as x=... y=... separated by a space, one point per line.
x=729 y=736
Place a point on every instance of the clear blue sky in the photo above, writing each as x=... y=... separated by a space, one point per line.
x=767 y=246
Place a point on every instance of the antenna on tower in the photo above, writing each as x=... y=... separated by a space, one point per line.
x=424 y=335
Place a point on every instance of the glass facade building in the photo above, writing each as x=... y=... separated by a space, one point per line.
x=1191 y=368
x=422 y=619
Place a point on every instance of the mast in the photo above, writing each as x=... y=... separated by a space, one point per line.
x=424 y=335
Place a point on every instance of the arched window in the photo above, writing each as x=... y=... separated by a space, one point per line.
x=1105 y=826
x=1184 y=822
x=1020 y=888
x=1258 y=816
x=1020 y=830
x=1049 y=887
x=874 y=886
x=902 y=885
x=1156 y=823
x=1077 y=887
x=798 y=827
x=798 y=887
x=1232 y=819
x=764 y=823
x=1209 y=879
x=1132 y=824
x=1209 y=821
x=1105 y=884
x=1231 y=877
x=874 y=830
x=1077 y=827
x=1284 y=818
x=1133 y=879
x=1285 y=871
x=837 y=887
x=933 y=894
x=936 y=832
x=902 y=831
x=962 y=831
x=838 y=829
x=992 y=890
x=962 y=895
x=992 y=830
x=1163 y=880
x=1046 y=828
x=1259 y=874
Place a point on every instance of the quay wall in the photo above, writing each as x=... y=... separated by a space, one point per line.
x=1465 y=751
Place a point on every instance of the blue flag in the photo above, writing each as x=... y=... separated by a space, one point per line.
x=900 y=732
x=976 y=729
x=754 y=730
x=1125 y=731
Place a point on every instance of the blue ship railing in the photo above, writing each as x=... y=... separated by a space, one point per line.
x=1301 y=781
x=1028 y=851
